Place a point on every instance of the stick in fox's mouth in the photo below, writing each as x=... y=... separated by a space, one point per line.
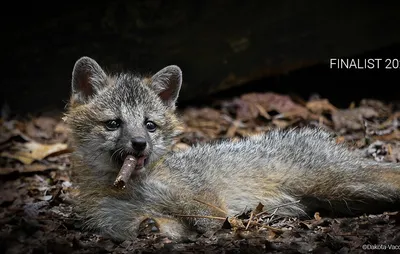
x=126 y=171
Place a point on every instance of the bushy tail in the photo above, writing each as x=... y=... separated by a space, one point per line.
x=366 y=187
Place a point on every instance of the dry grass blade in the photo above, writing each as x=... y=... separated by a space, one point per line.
x=272 y=217
x=276 y=207
x=210 y=205
x=275 y=230
x=201 y=216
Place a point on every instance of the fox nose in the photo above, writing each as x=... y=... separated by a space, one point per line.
x=139 y=143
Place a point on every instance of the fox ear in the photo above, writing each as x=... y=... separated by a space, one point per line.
x=167 y=84
x=88 y=78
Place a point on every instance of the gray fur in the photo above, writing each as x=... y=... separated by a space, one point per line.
x=276 y=168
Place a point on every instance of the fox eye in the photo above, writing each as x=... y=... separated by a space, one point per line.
x=112 y=125
x=151 y=126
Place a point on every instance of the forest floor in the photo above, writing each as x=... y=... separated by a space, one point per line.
x=37 y=187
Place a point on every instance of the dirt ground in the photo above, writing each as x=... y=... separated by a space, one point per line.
x=37 y=187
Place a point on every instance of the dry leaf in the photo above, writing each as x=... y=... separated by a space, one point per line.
x=34 y=167
x=180 y=147
x=340 y=139
x=41 y=127
x=232 y=129
x=33 y=209
x=45 y=197
x=321 y=106
x=7 y=134
x=352 y=119
x=380 y=107
x=202 y=113
x=244 y=110
x=236 y=223
x=30 y=151
x=282 y=124
x=395 y=216
x=395 y=135
x=8 y=195
x=305 y=225
x=262 y=111
x=259 y=208
x=61 y=133
x=316 y=216
x=271 y=235
x=251 y=105
x=61 y=127
x=277 y=102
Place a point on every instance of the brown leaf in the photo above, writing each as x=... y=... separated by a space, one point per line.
x=36 y=167
x=202 y=113
x=273 y=101
x=45 y=123
x=380 y=107
x=352 y=119
x=6 y=135
x=262 y=111
x=206 y=120
x=245 y=132
x=271 y=235
x=321 y=106
x=236 y=223
x=41 y=127
x=30 y=151
x=282 y=124
x=61 y=127
x=61 y=133
x=180 y=146
x=340 y=139
x=395 y=216
x=8 y=195
x=386 y=135
x=9 y=130
x=393 y=153
x=232 y=129
x=33 y=209
x=305 y=225
x=316 y=216
x=245 y=111
x=7 y=170
x=259 y=208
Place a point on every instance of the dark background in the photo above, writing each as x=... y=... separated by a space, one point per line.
x=223 y=47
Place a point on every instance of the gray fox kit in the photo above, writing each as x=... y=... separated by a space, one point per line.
x=113 y=116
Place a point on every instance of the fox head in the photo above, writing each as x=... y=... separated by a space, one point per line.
x=112 y=116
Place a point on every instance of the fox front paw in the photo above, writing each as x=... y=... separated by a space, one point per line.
x=168 y=227
x=148 y=226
